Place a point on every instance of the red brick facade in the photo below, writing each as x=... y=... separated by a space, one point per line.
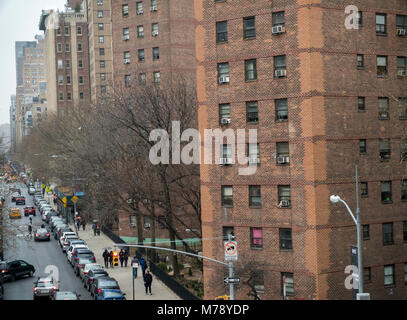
x=323 y=129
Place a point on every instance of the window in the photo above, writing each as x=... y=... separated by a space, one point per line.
x=284 y=196
x=80 y=47
x=100 y=13
x=61 y=96
x=79 y=31
x=405 y=231
x=361 y=104
x=227 y=151
x=359 y=18
x=126 y=34
x=60 y=65
x=256 y=238
x=67 y=64
x=142 y=78
x=101 y=26
x=221 y=31
x=364 y=189
x=154 y=29
x=404 y=190
x=139 y=6
x=386 y=192
x=361 y=60
x=101 y=51
x=278 y=18
x=100 y=2
x=125 y=10
x=68 y=96
x=58 y=31
x=385 y=151
x=401 y=23
x=384 y=108
x=381 y=66
x=367 y=275
x=141 y=55
x=287 y=283
x=59 y=47
x=387 y=233
x=389 y=275
x=66 y=31
x=250 y=70
x=403 y=150
x=223 y=72
x=126 y=57
x=283 y=150
x=67 y=47
x=68 y=79
x=254 y=196
x=127 y=80
x=80 y=63
x=280 y=66
x=362 y=146
x=252 y=112
x=81 y=95
x=403 y=108
x=101 y=39
x=227 y=196
x=60 y=80
x=102 y=63
x=140 y=31
x=286 y=241
x=249 y=28
x=281 y=109
x=226 y=231
x=103 y=89
x=156 y=53
x=154 y=5
x=80 y=79
x=156 y=75
x=366 y=232
x=103 y=76
x=381 y=24
x=253 y=153
x=224 y=112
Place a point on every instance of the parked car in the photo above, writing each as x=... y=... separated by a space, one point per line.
x=11 y=270
x=39 y=202
x=60 y=232
x=37 y=198
x=29 y=210
x=76 y=241
x=14 y=213
x=1 y=288
x=42 y=234
x=58 y=228
x=72 y=248
x=45 y=287
x=82 y=253
x=80 y=263
x=50 y=214
x=66 y=244
x=111 y=294
x=100 y=284
x=89 y=266
x=31 y=190
x=64 y=235
x=44 y=208
x=20 y=200
x=92 y=275
x=65 y=295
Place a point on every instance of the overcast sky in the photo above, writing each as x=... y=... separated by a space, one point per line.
x=19 y=21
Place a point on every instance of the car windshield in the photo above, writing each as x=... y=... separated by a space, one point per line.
x=84 y=261
x=42 y=231
x=113 y=294
x=108 y=283
x=92 y=266
x=44 y=284
x=65 y=296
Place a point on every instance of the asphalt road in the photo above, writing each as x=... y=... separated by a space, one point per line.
x=39 y=254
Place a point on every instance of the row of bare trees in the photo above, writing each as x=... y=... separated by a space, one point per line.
x=108 y=145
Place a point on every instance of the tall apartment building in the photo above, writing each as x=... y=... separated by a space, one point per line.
x=67 y=59
x=323 y=98
x=100 y=47
x=20 y=53
x=13 y=110
x=153 y=40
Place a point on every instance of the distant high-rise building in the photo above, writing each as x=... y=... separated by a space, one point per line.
x=13 y=109
x=20 y=54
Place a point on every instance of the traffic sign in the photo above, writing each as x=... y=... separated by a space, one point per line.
x=74 y=199
x=231 y=280
x=64 y=200
x=230 y=250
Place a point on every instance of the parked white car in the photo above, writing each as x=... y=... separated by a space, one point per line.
x=64 y=235
x=73 y=247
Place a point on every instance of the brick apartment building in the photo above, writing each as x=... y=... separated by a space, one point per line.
x=153 y=40
x=323 y=99
x=67 y=59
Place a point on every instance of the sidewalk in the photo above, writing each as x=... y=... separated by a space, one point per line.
x=122 y=275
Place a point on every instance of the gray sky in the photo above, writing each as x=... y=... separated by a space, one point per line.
x=19 y=21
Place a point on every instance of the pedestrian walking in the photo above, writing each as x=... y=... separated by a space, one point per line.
x=125 y=257
x=148 y=280
x=143 y=264
x=106 y=256
x=98 y=228
x=83 y=224
x=94 y=228
x=111 y=259
x=121 y=257
x=134 y=264
x=78 y=222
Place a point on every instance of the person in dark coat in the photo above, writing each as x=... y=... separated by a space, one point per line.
x=83 y=224
x=125 y=257
x=143 y=265
x=148 y=279
x=94 y=228
x=111 y=259
x=121 y=257
x=106 y=256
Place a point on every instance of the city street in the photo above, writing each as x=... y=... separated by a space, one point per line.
x=39 y=254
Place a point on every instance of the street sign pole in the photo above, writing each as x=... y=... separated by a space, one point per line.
x=231 y=275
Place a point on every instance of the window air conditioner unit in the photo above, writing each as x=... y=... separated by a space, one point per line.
x=225 y=161
x=224 y=79
x=140 y=11
x=401 y=73
x=133 y=225
x=153 y=8
x=154 y=33
x=281 y=73
x=278 y=29
x=281 y=160
x=225 y=121
x=254 y=160
x=147 y=225
x=284 y=203
x=401 y=32
x=383 y=115
x=126 y=37
x=126 y=61
x=287 y=159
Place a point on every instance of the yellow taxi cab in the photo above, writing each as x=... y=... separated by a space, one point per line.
x=14 y=213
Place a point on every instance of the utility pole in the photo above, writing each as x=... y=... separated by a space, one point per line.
x=231 y=275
